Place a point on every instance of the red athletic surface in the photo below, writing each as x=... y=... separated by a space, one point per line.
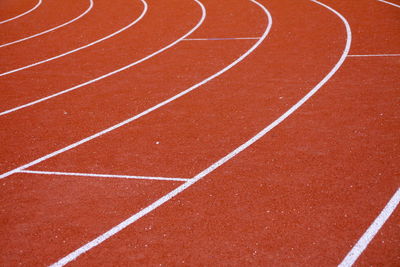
x=302 y=195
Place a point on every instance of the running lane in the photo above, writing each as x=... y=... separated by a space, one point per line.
x=304 y=193
x=45 y=17
x=30 y=228
x=104 y=19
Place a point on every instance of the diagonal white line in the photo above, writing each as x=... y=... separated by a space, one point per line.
x=389 y=3
x=23 y=14
x=374 y=228
x=52 y=29
x=105 y=175
x=82 y=47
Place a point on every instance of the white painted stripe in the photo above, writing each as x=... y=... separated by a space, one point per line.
x=23 y=14
x=52 y=29
x=105 y=175
x=374 y=228
x=389 y=3
x=72 y=256
x=221 y=39
x=87 y=139
x=82 y=47
x=376 y=55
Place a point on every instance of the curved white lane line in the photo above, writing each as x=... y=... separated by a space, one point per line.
x=389 y=3
x=52 y=29
x=159 y=202
x=23 y=14
x=73 y=255
x=87 y=139
x=95 y=79
x=82 y=47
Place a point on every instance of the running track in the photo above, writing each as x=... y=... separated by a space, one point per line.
x=179 y=145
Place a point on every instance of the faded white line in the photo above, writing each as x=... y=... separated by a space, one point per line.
x=374 y=228
x=389 y=3
x=98 y=175
x=23 y=14
x=52 y=29
x=376 y=55
x=73 y=255
x=82 y=47
x=116 y=126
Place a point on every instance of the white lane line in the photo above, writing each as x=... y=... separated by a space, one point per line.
x=52 y=29
x=95 y=242
x=218 y=39
x=73 y=255
x=82 y=47
x=376 y=55
x=374 y=228
x=23 y=14
x=116 y=126
x=389 y=3
x=101 y=77
x=105 y=175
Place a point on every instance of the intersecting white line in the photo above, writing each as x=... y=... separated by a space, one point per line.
x=389 y=3
x=52 y=29
x=376 y=55
x=374 y=228
x=23 y=14
x=82 y=47
x=105 y=175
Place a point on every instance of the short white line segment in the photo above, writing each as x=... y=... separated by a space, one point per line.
x=374 y=228
x=73 y=255
x=52 y=29
x=105 y=175
x=82 y=47
x=23 y=14
x=376 y=55
x=389 y=3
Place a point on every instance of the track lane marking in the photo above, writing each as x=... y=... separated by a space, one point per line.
x=52 y=29
x=23 y=14
x=389 y=3
x=372 y=230
x=116 y=126
x=98 y=175
x=145 y=7
x=376 y=55
x=73 y=255
x=95 y=242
